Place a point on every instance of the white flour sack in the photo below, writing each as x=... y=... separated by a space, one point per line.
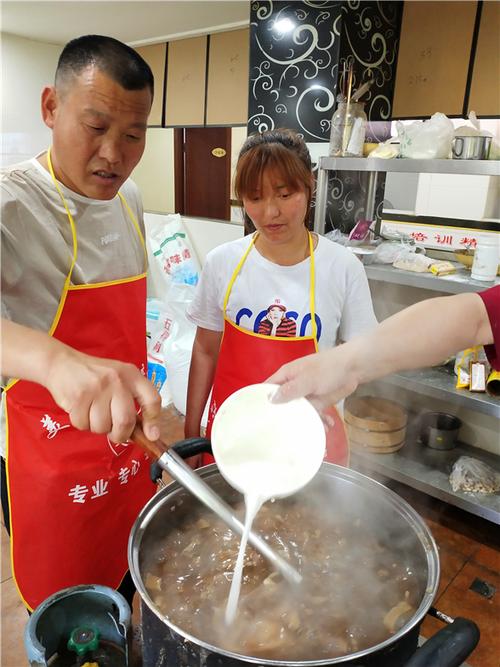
x=158 y=325
x=172 y=259
x=178 y=345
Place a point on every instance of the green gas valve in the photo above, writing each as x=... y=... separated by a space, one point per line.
x=83 y=639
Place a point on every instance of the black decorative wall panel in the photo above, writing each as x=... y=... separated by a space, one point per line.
x=369 y=39
x=294 y=71
x=297 y=55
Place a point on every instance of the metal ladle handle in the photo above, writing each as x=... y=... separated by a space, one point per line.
x=177 y=468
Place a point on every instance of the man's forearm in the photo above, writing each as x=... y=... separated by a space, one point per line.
x=27 y=353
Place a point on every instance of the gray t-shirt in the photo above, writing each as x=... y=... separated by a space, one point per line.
x=36 y=242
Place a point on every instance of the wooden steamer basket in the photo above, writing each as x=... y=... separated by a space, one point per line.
x=375 y=424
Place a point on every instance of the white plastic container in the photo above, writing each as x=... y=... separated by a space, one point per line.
x=485 y=264
x=264 y=448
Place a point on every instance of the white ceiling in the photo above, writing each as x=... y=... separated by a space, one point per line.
x=135 y=23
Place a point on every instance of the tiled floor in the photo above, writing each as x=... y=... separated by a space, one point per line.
x=469 y=550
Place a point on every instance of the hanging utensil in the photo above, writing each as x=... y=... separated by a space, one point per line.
x=364 y=88
x=347 y=130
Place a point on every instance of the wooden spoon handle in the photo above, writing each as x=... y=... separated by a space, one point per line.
x=154 y=447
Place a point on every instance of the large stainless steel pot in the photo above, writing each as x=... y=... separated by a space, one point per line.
x=166 y=644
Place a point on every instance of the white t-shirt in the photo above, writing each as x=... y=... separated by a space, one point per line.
x=342 y=301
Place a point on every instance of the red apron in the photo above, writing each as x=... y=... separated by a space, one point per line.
x=74 y=495
x=247 y=358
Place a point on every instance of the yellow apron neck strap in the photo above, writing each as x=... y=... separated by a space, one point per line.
x=135 y=223
x=71 y=221
x=237 y=270
x=312 y=288
x=67 y=282
x=312 y=283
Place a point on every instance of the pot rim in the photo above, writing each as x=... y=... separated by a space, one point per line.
x=414 y=520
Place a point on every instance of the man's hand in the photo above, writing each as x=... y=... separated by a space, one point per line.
x=99 y=394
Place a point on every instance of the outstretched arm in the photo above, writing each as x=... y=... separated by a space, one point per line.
x=421 y=335
x=98 y=394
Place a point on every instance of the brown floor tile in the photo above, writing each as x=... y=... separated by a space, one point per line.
x=460 y=522
x=171 y=425
x=451 y=540
x=136 y=609
x=458 y=600
x=451 y=563
x=172 y=431
x=14 y=619
x=488 y=557
x=6 y=572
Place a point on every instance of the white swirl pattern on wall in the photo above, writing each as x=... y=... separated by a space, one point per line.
x=262 y=11
x=288 y=66
x=295 y=73
x=324 y=124
x=257 y=124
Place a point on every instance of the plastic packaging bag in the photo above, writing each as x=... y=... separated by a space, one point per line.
x=338 y=237
x=178 y=345
x=387 y=150
x=442 y=268
x=389 y=251
x=158 y=326
x=463 y=361
x=473 y=476
x=472 y=128
x=409 y=260
x=172 y=259
x=428 y=139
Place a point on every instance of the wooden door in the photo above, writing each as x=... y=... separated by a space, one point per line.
x=203 y=172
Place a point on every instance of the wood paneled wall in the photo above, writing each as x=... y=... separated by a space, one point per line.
x=227 y=90
x=154 y=55
x=433 y=61
x=449 y=59
x=206 y=82
x=485 y=88
x=186 y=75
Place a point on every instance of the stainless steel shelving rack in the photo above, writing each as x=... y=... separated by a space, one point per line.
x=415 y=465
x=439 y=382
x=428 y=470
x=375 y=166
x=455 y=283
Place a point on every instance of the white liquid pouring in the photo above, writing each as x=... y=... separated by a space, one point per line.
x=252 y=506
x=264 y=450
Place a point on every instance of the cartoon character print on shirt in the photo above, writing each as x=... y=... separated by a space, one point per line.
x=277 y=320
x=276 y=323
